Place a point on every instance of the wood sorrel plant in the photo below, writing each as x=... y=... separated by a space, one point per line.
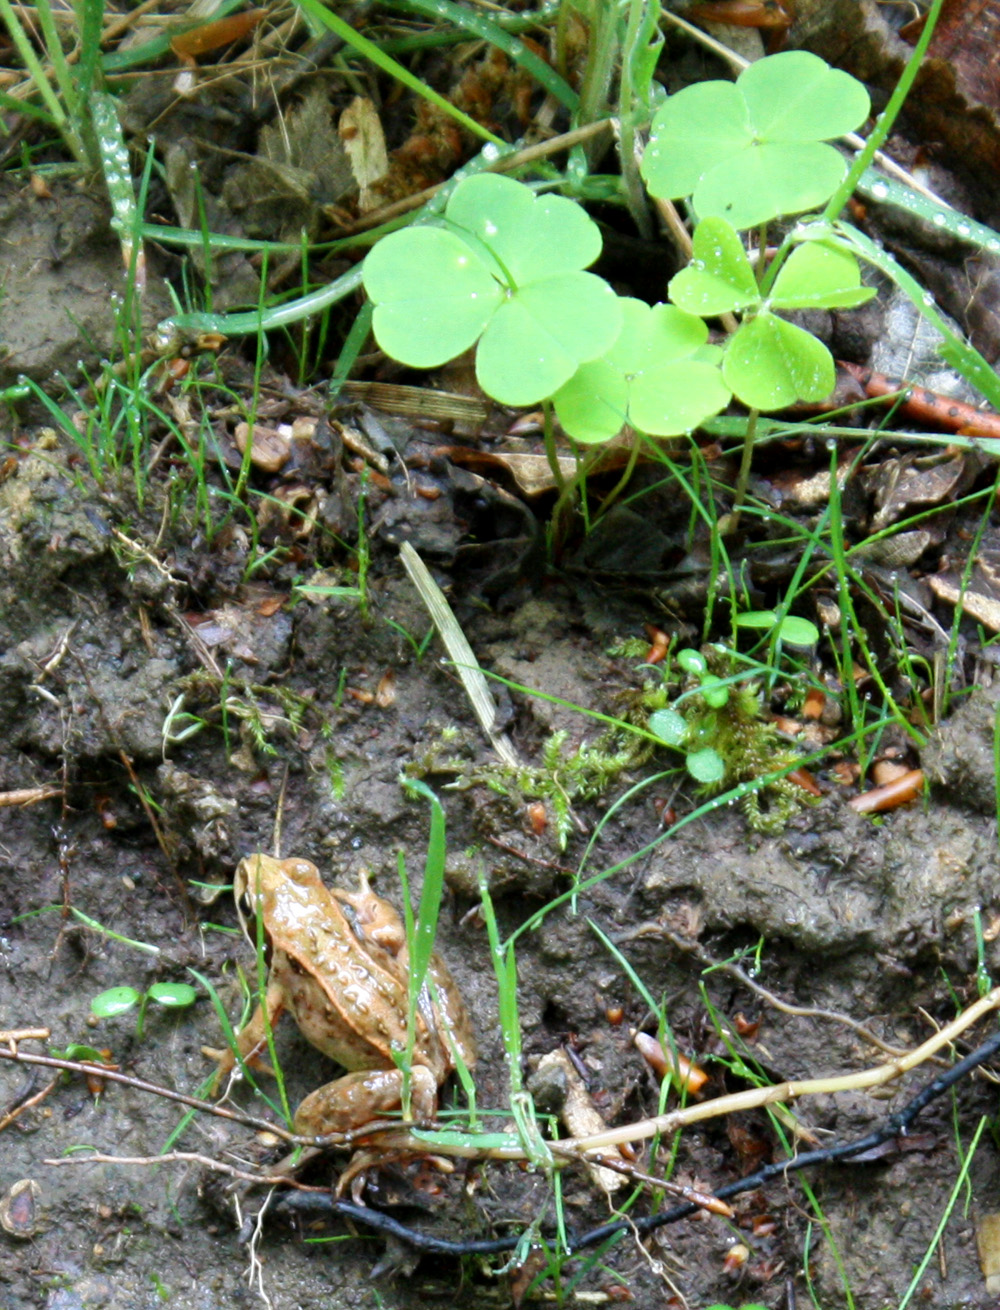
x=505 y=268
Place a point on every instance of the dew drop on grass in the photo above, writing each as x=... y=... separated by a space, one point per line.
x=880 y=191
x=963 y=229
x=940 y=220
x=490 y=152
x=927 y=298
x=490 y=228
x=993 y=244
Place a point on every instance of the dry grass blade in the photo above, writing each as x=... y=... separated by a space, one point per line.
x=460 y=652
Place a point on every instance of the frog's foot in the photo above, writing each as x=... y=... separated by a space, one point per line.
x=358 y=1098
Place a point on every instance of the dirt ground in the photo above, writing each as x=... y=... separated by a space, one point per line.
x=116 y=618
x=873 y=921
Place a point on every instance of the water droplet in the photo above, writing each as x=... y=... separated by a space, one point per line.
x=490 y=228
x=462 y=261
x=992 y=244
x=963 y=229
x=927 y=298
x=880 y=191
x=490 y=152
x=940 y=220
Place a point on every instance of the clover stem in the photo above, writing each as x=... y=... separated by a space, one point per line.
x=761 y=268
x=622 y=483
x=743 y=477
x=549 y=436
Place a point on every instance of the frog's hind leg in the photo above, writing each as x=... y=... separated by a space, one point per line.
x=358 y=1098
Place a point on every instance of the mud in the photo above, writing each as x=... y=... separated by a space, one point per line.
x=872 y=920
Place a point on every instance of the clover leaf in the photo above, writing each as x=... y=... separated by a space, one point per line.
x=754 y=149
x=659 y=376
x=769 y=363
x=504 y=268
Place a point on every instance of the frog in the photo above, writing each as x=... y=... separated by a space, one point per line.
x=339 y=965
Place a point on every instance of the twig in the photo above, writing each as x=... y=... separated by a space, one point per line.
x=799 y=1011
x=28 y=1103
x=28 y=795
x=188 y=1157
x=757 y=1097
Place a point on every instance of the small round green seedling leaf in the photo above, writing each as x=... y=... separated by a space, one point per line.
x=533 y=237
x=794 y=631
x=116 y=1000
x=819 y=277
x=705 y=766
x=751 y=151
x=540 y=335
x=715 y=691
x=669 y=726
x=719 y=277
x=76 y=1051
x=692 y=661
x=651 y=378
x=757 y=619
x=770 y=364
x=173 y=995
x=433 y=295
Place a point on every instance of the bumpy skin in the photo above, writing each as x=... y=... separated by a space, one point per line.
x=339 y=964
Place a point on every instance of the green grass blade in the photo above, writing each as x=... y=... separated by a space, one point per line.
x=884 y=122
x=966 y=359
x=468 y=20
x=35 y=70
x=887 y=191
x=370 y=51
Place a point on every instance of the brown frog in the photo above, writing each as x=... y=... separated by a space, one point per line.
x=338 y=962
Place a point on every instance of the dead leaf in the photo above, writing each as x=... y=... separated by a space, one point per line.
x=360 y=130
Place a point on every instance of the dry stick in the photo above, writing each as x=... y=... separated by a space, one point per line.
x=29 y=1103
x=788 y=1091
x=394 y=1137
x=29 y=795
x=799 y=1011
x=538 y=151
x=193 y=1157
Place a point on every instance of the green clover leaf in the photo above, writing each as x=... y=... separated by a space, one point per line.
x=770 y=364
x=433 y=296
x=659 y=376
x=819 y=277
x=753 y=150
x=505 y=268
x=720 y=277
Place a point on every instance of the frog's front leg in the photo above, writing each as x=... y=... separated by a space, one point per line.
x=252 y=1037
x=358 y=1098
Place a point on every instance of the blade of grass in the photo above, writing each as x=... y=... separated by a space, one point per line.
x=370 y=51
x=468 y=20
x=885 y=121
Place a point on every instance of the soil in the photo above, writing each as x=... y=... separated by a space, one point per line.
x=871 y=920
x=121 y=617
